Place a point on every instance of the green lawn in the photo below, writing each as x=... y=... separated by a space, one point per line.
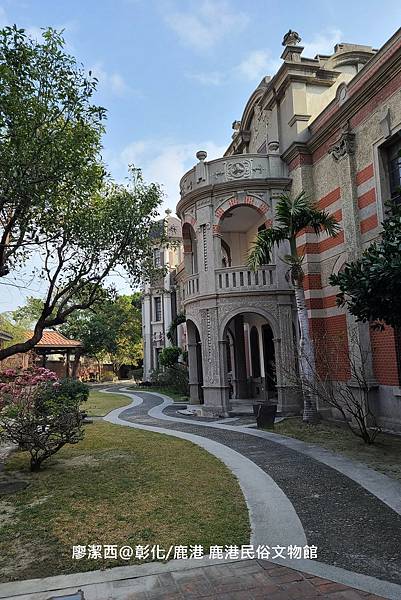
x=118 y=486
x=99 y=403
x=384 y=455
x=161 y=390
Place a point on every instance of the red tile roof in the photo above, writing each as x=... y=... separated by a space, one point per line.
x=54 y=339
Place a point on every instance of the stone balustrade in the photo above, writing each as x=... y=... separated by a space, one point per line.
x=191 y=286
x=238 y=167
x=243 y=279
x=235 y=279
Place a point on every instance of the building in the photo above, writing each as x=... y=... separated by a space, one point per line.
x=328 y=125
x=159 y=299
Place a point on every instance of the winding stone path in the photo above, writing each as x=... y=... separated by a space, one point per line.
x=351 y=527
x=291 y=492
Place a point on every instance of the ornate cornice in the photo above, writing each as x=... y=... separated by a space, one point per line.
x=364 y=86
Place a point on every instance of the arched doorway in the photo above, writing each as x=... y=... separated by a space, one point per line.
x=251 y=357
x=194 y=364
x=238 y=228
x=190 y=249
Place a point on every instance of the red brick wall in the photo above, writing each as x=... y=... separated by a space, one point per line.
x=384 y=356
x=331 y=343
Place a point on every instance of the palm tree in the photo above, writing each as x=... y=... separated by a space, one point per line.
x=293 y=215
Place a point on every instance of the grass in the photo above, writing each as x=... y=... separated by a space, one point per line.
x=384 y=455
x=117 y=486
x=161 y=390
x=99 y=403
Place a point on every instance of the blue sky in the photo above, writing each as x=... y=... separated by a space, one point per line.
x=175 y=74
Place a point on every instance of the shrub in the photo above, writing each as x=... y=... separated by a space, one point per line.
x=40 y=413
x=175 y=377
x=169 y=356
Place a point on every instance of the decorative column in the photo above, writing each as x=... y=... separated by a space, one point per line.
x=288 y=396
x=147 y=336
x=215 y=390
x=343 y=153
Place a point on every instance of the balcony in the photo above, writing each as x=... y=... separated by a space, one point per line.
x=242 y=279
x=230 y=169
x=234 y=279
x=191 y=286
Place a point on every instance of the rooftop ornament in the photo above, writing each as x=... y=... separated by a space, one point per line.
x=201 y=155
x=200 y=169
x=291 y=38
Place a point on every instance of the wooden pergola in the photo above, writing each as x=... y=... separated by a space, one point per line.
x=53 y=342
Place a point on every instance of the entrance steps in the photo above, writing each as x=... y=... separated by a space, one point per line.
x=243 y=407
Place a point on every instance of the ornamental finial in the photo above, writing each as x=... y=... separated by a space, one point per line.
x=291 y=38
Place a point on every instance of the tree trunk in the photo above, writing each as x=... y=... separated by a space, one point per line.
x=99 y=369
x=75 y=364
x=23 y=347
x=306 y=355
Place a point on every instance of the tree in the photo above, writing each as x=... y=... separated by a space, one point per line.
x=107 y=231
x=112 y=327
x=50 y=142
x=352 y=399
x=370 y=286
x=40 y=413
x=172 y=330
x=169 y=356
x=29 y=313
x=293 y=215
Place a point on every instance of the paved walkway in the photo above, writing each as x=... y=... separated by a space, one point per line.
x=243 y=580
x=292 y=497
x=352 y=528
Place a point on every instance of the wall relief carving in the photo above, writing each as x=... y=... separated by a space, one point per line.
x=239 y=169
x=345 y=146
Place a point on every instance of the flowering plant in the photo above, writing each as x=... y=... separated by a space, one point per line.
x=39 y=412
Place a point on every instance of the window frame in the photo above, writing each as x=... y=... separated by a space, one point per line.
x=157 y=308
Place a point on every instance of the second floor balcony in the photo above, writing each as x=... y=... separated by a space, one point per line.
x=231 y=169
x=234 y=280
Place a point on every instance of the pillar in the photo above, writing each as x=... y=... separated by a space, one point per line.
x=193 y=373
x=343 y=153
x=147 y=336
x=67 y=363
x=288 y=396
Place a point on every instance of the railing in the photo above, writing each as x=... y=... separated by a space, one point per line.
x=232 y=168
x=191 y=286
x=238 y=279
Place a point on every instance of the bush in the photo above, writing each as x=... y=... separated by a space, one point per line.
x=40 y=413
x=175 y=377
x=107 y=377
x=169 y=356
x=137 y=374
